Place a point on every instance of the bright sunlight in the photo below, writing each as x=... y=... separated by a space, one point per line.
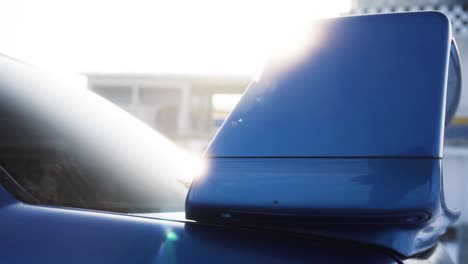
x=194 y=37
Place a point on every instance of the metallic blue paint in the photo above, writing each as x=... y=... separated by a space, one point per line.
x=316 y=187
x=394 y=203
x=344 y=142
x=37 y=234
x=373 y=87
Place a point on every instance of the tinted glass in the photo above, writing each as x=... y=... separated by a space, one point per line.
x=68 y=147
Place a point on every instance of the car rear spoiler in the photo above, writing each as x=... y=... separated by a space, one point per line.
x=344 y=139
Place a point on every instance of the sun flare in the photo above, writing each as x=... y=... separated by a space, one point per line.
x=197 y=37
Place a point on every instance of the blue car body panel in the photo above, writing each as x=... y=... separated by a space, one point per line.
x=349 y=133
x=373 y=86
x=394 y=192
x=37 y=234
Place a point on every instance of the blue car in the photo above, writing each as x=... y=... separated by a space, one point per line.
x=333 y=155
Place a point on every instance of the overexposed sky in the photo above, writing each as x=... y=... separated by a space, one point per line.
x=189 y=37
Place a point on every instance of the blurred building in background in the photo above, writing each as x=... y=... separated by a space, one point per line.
x=187 y=109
